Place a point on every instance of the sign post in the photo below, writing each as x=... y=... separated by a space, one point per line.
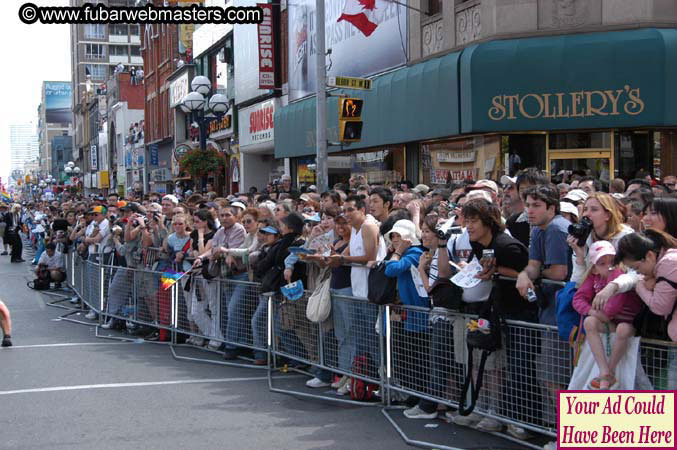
x=321 y=97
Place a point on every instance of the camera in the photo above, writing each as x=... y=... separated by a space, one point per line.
x=581 y=230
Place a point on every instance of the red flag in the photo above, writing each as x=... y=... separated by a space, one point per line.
x=359 y=13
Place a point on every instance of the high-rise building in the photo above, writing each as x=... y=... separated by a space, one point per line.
x=23 y=144
x=97 y=51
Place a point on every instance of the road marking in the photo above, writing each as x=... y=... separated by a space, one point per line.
x=67 y=344
x=124 y=385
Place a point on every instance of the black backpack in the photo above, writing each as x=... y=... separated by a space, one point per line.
x=653 y=326
x=487 y=343
x=382 y=289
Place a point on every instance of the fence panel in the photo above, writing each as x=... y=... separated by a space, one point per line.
x=243 y=314
x=295 y=337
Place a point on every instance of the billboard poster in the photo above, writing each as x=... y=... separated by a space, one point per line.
x=352 y=53
x=266 y=48
x=58 y=102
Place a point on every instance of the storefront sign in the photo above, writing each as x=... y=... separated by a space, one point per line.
x=609 y=102
x=103 y=181
x=178 y=89
x=153 y=150
x=441 y=176
x=266 y=48
x=225 y=123
x=256 y=125
x=94 y=158
x=456 y=157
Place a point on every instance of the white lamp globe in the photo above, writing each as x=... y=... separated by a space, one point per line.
x=183 y=106
x=67 y=169
x=194 y=101
x=71 y=164
x=76 y=170
x=201 y=85
x=218 y=104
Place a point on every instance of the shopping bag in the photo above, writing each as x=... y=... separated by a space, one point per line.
x=587 y=369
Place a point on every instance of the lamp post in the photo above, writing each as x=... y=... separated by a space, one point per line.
x=196 y=104
x=71 y=169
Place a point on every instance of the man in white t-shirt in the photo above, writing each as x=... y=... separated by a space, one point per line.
x=52 y=264
x=97 y=235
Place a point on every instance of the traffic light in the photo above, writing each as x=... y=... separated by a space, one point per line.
x=350 y=119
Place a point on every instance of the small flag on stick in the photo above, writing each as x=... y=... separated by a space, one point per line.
x=170 y=277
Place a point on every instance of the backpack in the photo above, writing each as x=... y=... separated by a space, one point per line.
x=653 y=326
x=487 y=343
x=382 y=289
x=568 y=319
x=360 y=390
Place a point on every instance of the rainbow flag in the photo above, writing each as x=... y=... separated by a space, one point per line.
x=5 y=197
x=169 y=278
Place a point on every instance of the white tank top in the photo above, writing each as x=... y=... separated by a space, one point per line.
x=359 y=276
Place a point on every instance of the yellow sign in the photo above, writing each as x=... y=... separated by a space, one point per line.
x=103 y=179
x=349 y=83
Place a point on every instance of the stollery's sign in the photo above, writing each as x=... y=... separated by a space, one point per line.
x=559 y=105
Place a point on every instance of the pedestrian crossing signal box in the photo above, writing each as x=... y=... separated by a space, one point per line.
x=350 y=119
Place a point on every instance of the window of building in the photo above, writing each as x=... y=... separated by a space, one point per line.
x=118 y=50
x=95 y=51
x=118 y=30
x=98 y=72
x=135 y=51
x=94 y=31
x=434 y=7
x=134 y=30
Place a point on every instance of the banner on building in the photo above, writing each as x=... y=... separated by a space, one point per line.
x=94 y=158
x=266 y=48
x=352 y=53
x=58 y=102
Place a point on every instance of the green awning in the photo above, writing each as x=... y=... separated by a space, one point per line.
x=597 y=80
x=409 y=104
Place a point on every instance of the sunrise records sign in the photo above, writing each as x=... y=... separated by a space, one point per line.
x=266 y=48
x=256 y=125
x=352 y=53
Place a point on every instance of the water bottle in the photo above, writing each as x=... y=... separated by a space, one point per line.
x=531 y=295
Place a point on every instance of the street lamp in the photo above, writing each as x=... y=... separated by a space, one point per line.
x=196 y=104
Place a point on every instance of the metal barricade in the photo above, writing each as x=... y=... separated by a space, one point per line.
x=406 y=349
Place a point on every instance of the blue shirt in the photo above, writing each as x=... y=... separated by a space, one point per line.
x=550 y=247
x=416 y=321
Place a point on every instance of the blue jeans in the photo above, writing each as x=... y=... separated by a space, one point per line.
x=40 y=238
x=119 y=291
x=443 y=366
x=260 y=327
x=236 y=307
x=344 y=332
x=362 y=325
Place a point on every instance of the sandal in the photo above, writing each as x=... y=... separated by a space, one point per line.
x=596 y=383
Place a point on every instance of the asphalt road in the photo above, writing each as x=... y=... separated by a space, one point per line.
x=63 y=388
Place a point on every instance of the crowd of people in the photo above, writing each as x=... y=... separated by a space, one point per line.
x=617 y=243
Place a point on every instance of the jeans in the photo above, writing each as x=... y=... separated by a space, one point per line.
x=259 y=325
x=40 y=237
x=119 y=291
x=343 y=328
x=443 y=366
x=362 y=325
x=237 y=308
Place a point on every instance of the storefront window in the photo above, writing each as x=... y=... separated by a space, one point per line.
x=574 y=141
x=634 y=154
x=380 y=166
x=471 y=158
x=523 y=150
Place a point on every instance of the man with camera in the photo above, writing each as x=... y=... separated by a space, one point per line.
x=97 y=237
x=51 y=266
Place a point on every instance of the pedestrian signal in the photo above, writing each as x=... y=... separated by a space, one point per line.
x=350 y=119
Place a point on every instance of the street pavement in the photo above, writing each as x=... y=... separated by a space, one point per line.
x=63 y=388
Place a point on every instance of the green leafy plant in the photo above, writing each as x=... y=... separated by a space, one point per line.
x=199 y=163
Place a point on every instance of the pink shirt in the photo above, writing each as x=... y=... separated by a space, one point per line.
x=621 y=307
x=661 y=300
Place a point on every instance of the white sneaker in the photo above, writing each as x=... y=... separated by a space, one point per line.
x=464 y=421
x=108 y=325
x=213 y=345
x=91 y=315
x=189 y=341
x=198 y=342
x=345 y=389
x=316 y=383
x=417 y=413
x=518 y=432
x=552 y=445
x=340 y=382
x=489 y=425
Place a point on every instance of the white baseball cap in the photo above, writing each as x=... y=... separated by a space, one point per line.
x=568 y=208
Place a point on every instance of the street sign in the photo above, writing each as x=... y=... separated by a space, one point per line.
x=349 y=82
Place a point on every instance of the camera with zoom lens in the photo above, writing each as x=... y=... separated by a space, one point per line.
x=581 y=230
x=443 y=234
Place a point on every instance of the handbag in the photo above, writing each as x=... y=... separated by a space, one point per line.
x=382 y=289
x=319 y=302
